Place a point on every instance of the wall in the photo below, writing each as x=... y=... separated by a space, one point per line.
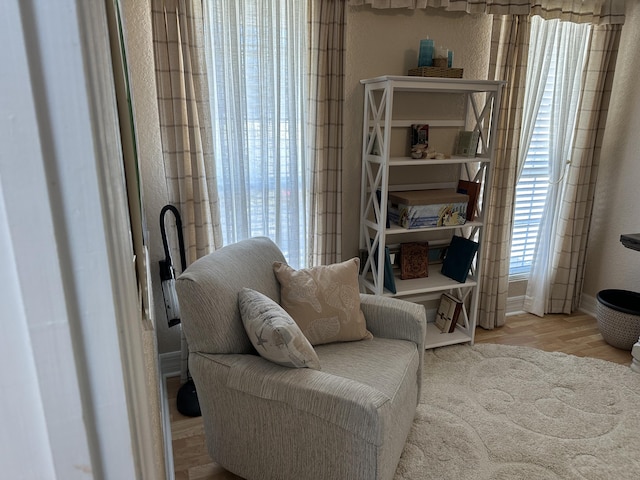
x=385 y=42
x=138 y=33
x=609 y=264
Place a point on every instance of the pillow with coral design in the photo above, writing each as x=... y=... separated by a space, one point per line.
x=324 y=301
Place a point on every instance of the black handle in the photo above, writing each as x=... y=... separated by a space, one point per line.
x=167 y=254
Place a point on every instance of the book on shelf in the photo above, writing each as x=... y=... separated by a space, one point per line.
x=414 y=260
x=459 y=257
x=472 y=189
x=389 y=281
x=448 y=313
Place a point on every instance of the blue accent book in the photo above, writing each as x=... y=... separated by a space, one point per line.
x=457 y=262
x=389 y=281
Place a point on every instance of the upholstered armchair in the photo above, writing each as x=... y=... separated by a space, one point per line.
x=349 y=419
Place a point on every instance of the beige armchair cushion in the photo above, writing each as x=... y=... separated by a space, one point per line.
x=324 y=301
x=273 y=332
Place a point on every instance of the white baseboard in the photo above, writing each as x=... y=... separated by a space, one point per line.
x=169 y=367
x=166 y=421
x=588 y=304
x=515 y=305
x=170 y=364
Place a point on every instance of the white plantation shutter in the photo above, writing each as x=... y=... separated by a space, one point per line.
x=531 y=191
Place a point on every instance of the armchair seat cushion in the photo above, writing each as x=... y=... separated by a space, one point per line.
x=356 y=389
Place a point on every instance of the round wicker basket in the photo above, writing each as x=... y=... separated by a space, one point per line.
x=618 y=316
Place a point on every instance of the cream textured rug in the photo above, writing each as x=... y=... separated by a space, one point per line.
x=503 y=413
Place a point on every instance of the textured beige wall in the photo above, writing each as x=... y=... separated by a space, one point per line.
x=609 y=264
x=137 y=28
x=385 y=42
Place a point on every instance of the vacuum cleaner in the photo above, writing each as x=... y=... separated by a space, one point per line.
x=187 y=398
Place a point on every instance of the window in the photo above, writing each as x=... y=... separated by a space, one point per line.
x=256 y=51
x=532 y=188
x=560 y=63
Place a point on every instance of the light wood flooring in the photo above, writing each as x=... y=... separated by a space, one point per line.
x=575 y=334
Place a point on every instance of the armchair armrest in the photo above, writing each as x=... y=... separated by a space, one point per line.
x=394 y=318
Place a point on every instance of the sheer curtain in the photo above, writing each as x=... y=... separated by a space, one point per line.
x=538 y=65
x=256 y=63
x=566 y=45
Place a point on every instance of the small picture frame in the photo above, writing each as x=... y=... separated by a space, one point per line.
x=467 y=143
x=419 y=140
x=437 y=253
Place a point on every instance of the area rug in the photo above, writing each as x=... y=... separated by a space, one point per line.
x=503 y=413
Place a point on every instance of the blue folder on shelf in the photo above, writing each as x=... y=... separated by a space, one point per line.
x=457 y=262
x=389 y=280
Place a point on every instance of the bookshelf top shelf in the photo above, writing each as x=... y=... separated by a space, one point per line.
x=453 y=160
x=408 y=161
x=452 y=85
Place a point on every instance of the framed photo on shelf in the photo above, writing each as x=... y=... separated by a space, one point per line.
x=448 y=313
x=437 y=253
x=467 y=143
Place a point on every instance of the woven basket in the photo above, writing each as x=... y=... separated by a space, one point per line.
x=436 y=72
x=618 y=321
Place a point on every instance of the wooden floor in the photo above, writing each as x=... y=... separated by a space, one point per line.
x=575 y=334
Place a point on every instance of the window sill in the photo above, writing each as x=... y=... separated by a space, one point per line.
x=519 y=277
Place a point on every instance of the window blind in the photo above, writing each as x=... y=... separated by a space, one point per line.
x=532 y=187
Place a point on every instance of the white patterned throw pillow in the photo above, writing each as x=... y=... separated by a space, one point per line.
x=324 y=301
x=273 y=332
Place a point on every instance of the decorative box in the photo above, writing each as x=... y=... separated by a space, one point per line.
x=427 y=208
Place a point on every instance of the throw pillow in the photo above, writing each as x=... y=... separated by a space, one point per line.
x=273 y=332
x=324 y=301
